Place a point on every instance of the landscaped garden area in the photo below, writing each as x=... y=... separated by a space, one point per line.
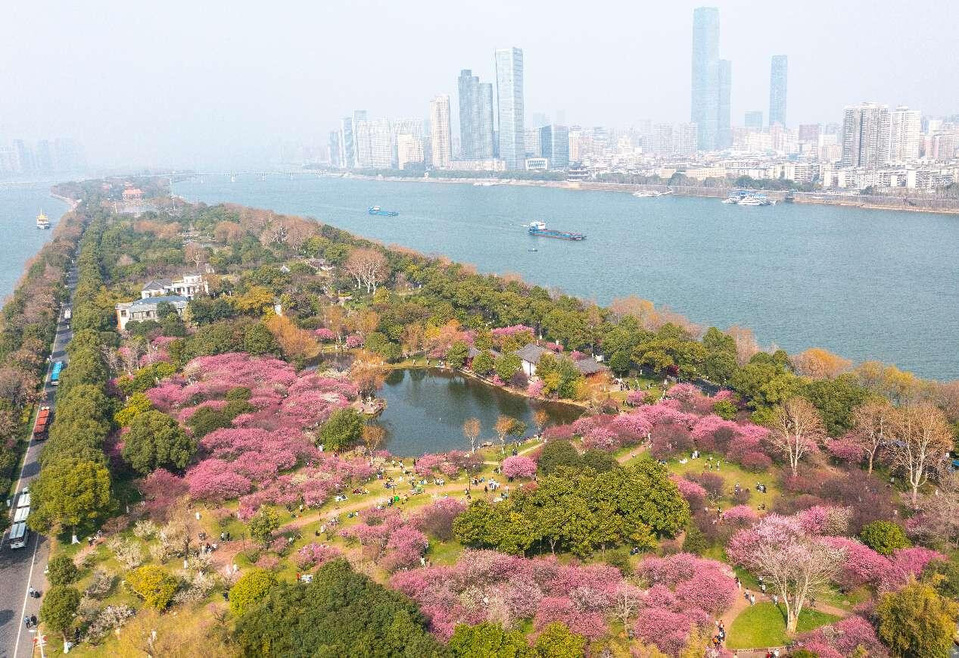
x=227 y=473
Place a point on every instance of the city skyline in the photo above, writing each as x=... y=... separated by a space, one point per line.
x=189 y=93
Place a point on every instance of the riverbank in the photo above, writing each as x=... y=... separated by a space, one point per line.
x=918 y=204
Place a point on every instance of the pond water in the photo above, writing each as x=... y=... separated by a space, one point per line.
x=426 y=408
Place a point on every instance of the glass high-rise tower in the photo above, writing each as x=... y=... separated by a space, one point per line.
x=509 y=99
x=777 y=90
x=706 y=76
x=476 y=117
x=724 y=129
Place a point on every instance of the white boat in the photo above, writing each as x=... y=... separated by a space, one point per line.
x=487 y=183
x=751 y=201
x=647 y=194
x=731 y=200
x=42 y=221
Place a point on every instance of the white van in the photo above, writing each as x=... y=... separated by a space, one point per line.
x=19 y=535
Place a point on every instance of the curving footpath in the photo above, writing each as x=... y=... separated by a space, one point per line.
x=23 y=568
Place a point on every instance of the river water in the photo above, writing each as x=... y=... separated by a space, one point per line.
x=867 y=284
x=20 y=239
x=425 y=411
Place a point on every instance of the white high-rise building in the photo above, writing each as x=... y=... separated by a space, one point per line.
x=906 y=129
x=409 y=150
x=865 y=136
x=509 y=102
x=442 y=146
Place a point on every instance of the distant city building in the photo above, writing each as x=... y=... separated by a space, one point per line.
x=865 y=136
x=687 y=138
x=554 y=146
x=777 y=90
x=510 y=109
x=478 y=165
x=537 y=164
x=346 y=144
x=374 y=144
x=335 y=148
x=532 y=146
x=905 y=129
x=706 y=76
x=724 y=134
x=440 y=139
x=476 y=117
x=754 y=120
x=810 y=132
x=409 y=151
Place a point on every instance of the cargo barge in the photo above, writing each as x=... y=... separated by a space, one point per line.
x=539 y=230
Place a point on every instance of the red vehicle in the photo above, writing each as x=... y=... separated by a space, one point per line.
x=42 y=424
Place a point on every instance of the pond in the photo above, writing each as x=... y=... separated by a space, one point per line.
x=426 y=408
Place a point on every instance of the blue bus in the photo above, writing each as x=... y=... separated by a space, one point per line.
x=55 y=373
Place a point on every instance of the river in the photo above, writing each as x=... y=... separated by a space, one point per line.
x=21 y=240
x=425 y=411
x=867 y=284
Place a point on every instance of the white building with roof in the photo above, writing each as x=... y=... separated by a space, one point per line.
x=146 y=309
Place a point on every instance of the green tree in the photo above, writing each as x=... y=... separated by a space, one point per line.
x=263 y=524
x=916 y=622
x=488 y=640
x=207 y=419
x=695 y=540
x=259 y=340
x=620 y=363
x=153 y=584
x=136 y=404
x=68 y=493
x=556 y=454
x=557 y=641
x=835 y=399
x=599 y=460
x=342 y=430
x=341 y=613
x=884 y=537
x=61 y=570
x=483 y=364
x=251 y=588
x=59 y=608
x=156 y=441
x=457 y=353
x=507 y=365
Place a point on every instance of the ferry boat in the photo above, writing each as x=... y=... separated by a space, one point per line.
x=376 y=210
x=539 y=229
x=731 y=200
x=750 y=201
x=42 y=221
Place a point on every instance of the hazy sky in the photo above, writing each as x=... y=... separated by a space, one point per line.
x=205 y=83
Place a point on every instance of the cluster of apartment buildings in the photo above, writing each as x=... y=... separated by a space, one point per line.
x=492 y=135
x=873 y=146
x=44 y=156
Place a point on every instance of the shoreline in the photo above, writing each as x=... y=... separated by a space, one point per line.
x=801 y=198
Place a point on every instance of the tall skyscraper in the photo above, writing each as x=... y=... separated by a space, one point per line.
x=484 y=140
x=724 y=129
x=509 y=99
x=468 y=85
x=440 y=138
x=777 y=90
x=865 y=136
x=705 y=76
x=905 y=129
x=754 y=120
x=336 y=149
x=476 y=117
x=554 y=145
x=347 y=148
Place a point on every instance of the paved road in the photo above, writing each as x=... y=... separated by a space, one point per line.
x=23 y=568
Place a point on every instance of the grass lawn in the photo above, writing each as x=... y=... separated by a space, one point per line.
x=764 y=625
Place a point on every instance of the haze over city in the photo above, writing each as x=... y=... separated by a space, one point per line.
x=223 y=84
